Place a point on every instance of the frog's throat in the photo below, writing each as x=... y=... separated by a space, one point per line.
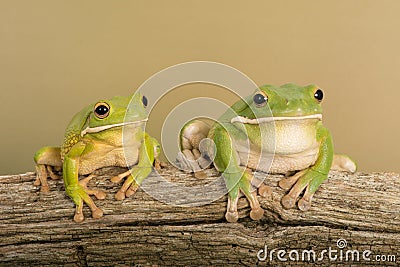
x=271 y=119
x=106 y=127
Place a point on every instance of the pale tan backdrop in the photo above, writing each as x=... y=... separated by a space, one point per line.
x=58 y=56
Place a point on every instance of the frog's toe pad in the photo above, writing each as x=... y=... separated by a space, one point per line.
x=116 y=179
x=264 y=191
x=285 y=184
x=100 y=195
x=79 y=217
x=232 y=216
x=304 y=205
x=131 y=190
x=97 y=213
x=120 y=195
x=44 y=189
x=288 y=202
x=37 y=182
x=256 y=214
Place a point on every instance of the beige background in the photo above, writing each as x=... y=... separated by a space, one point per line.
x=58 y=56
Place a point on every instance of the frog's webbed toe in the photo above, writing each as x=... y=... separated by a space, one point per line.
x=128 y=188
x=304 y=204
x=288 y=182
x=243 y=187
x=288 y=201
x=134 y=178
x=132 y=189
x=116 y=179
x=41 y=178
x=306 y=179
x=97 y=193
x=52 y=174
x=264 y=190
x=158 y=164
x=96 y=212
x=232 y=214
x=81 y=194
x=120 y=195
x=256 y=212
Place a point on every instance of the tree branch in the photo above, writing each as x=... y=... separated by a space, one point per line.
x=37 y=228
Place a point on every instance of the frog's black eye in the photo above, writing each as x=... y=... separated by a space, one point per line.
x=260 y=99
x=319 y=95
x=144 y=101
x=101 y=110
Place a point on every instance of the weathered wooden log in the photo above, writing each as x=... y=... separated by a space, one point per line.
x=354 y=217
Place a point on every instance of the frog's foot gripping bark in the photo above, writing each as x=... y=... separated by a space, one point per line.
x=46 y=159
x=80 y=193
x=135 y=176
x=307 y=179
x=42 y=173
x=310 y=180
x=243 y=186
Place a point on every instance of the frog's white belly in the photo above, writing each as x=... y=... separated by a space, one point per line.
x=105 y=155
x=290 y=146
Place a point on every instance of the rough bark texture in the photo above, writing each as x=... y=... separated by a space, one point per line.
x=37 y=228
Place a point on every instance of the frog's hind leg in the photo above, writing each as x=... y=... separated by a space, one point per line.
x=46 y=158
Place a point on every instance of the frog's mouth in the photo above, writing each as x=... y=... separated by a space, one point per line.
x=106 y=127
x=271 y=119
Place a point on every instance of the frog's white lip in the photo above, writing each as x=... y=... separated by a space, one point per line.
x=105 y=127
x=270 y=119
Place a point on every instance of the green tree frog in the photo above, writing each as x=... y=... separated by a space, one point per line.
x=94 y=139
x=274 y=130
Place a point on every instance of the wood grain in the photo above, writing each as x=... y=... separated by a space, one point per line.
x=37 y=228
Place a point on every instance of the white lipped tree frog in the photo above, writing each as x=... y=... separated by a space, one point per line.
x=274 y=130
x=94 y=139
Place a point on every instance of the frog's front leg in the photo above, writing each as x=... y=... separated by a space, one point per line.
x=148 y=152
x=77 y=190
x=237 y=179
x=310 y=178
x=46 y=158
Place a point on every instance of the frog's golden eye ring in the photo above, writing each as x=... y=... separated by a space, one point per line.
x=101 y=110
x=144 y=101
x=260 y=99
x=319 y=95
